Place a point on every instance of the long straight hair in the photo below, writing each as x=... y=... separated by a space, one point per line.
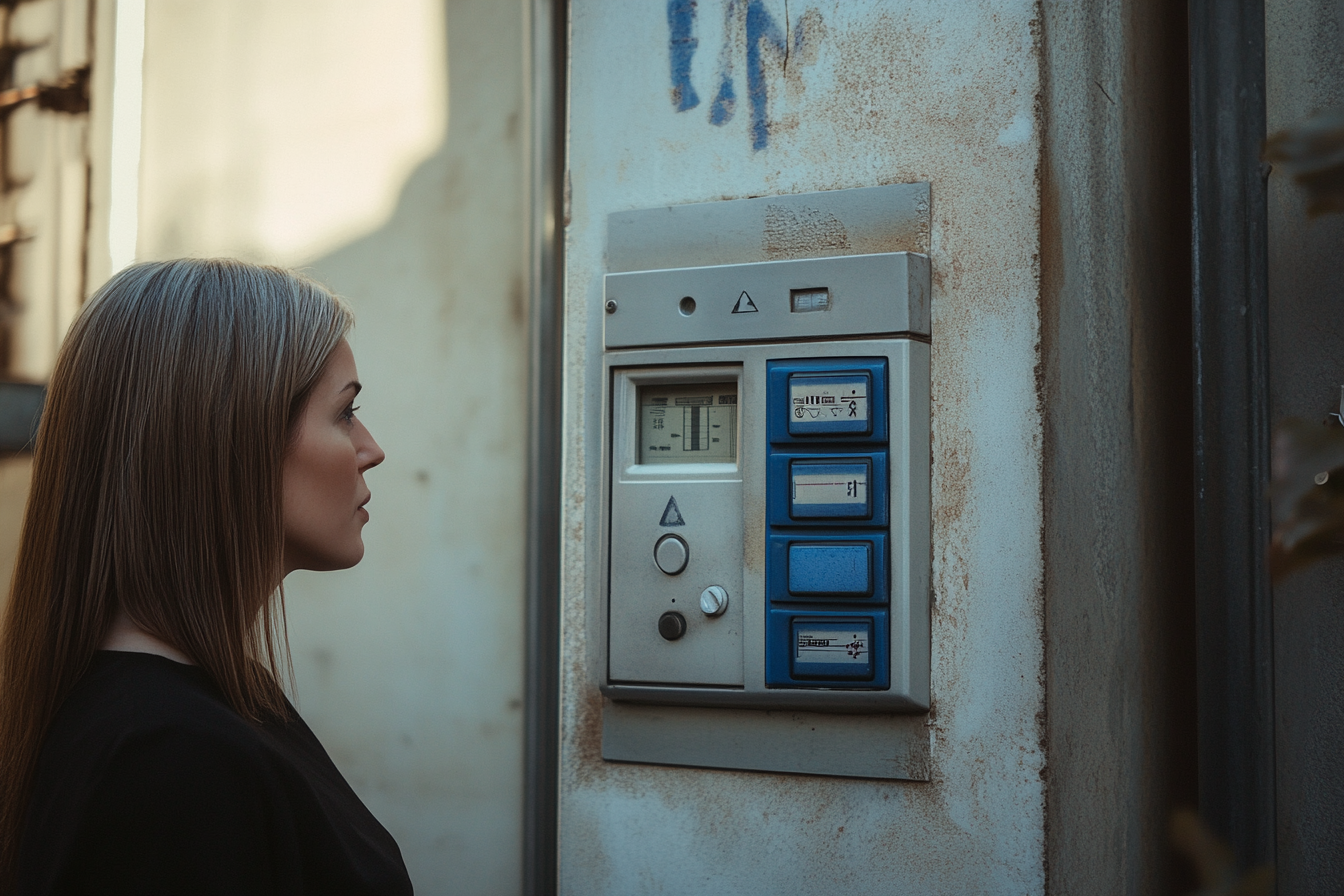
x=156 y=491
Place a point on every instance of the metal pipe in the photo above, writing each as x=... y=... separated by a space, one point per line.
x=547 y=34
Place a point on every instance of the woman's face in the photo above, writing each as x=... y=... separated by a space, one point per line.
x=324 y=490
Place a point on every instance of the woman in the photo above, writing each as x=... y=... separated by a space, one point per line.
x=198 y=444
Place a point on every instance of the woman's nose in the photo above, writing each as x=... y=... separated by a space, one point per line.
x=370 y=454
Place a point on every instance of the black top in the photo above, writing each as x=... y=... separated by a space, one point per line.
x=149 y=783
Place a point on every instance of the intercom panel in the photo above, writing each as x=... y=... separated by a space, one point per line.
x=766 y=485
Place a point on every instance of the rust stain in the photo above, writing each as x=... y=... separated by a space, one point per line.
x=586 y=738
x=802 y=233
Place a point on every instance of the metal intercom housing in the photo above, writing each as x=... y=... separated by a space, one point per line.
x=764 y=485
x=826 y=598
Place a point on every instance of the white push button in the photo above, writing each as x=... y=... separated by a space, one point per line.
x=713 y=600
x=671 y=554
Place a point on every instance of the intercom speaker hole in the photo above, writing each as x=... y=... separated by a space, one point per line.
x=686 y=306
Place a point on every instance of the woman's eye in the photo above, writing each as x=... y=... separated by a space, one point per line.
x=348 y=415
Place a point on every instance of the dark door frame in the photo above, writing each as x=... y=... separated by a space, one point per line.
x=545 y=56
x=1233 y=601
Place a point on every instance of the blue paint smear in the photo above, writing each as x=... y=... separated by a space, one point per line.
x=725 y=102
x=760 y=27
x=681 y=46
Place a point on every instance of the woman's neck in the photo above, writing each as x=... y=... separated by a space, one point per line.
x=126 y=636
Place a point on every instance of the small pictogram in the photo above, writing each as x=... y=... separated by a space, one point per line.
x=744 y=304
x=671 y=514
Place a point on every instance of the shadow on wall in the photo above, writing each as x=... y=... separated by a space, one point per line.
x=422 y=716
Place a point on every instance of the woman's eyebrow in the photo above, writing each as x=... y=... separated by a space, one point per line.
x=353 y=384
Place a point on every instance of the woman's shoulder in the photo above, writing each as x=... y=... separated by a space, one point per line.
x=145 y=759
x=127 y=698
x=142 y=727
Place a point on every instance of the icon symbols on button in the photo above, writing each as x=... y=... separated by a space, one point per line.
x=671 y=553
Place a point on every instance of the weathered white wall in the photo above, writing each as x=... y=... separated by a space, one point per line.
x=1117 y=401
x=873 y=93
x=379 y=146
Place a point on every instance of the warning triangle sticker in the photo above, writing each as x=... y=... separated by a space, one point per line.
x=744 y=304
x=671 y=515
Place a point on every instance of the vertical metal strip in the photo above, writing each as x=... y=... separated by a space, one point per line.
x=545 y=55
x=1234 y=636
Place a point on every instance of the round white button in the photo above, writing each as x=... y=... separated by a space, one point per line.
x=671 y=554
x=713 y=600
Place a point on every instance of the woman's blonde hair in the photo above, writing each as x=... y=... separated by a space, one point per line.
x=157 y=490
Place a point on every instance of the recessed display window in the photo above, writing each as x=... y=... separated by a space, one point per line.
x=688 y=423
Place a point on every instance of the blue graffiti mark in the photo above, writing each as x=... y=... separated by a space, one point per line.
x=681 y=46
x=761 y=27
x=725 y=100
x=725 y=103
x=763 y=35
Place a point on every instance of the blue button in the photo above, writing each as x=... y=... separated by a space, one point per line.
x=831 y=569
x=825 y=649
x=830 y=405
x=828 y=489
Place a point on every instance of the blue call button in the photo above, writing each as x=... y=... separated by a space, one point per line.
x=821 y=489
x=837 y=404
x=832 y=649
x=838 y=569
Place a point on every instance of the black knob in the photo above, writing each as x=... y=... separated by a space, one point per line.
x=672 y=625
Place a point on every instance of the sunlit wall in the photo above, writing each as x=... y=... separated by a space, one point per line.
x=378 y=146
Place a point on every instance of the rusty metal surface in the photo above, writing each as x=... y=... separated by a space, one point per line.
x=870 y=95
x=863 y=221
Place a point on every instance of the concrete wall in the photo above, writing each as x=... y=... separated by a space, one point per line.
x=379 y=147
x=1304 y=55
x=868 y=93
x=1116 y=340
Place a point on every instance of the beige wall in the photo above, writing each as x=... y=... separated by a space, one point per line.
x=379 y=147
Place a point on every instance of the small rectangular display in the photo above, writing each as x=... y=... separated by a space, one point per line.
x=820 y=489
x=833 y=645
x=836 y=404
x=807 y=300
x=688 y=423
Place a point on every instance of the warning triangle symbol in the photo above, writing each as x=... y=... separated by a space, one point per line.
x=744 y=304
x=671 y=515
